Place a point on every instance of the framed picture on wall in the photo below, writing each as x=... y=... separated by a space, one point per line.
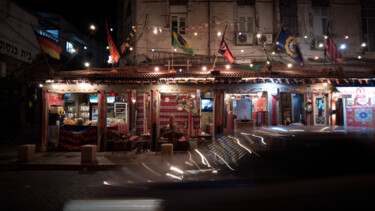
x=286 y=100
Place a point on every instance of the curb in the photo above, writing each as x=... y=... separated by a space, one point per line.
x=74 y=167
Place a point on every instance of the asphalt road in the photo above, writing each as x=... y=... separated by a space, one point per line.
x=49 y=190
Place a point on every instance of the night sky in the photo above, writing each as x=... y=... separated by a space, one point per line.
x=80 y=13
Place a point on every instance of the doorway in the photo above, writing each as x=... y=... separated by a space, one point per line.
x=297 y=107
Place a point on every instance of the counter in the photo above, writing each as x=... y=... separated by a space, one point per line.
x=74 y=137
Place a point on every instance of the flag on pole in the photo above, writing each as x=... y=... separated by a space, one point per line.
x=115 y=56
x=224 y=50
x=288 y=43
x=178 y=41
x=332 y=50
x=49 y=46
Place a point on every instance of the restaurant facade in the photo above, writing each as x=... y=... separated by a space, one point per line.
x=85 y=107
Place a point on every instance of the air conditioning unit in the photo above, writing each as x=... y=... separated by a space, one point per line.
x=319 y=43
x=268 y=38
x=244 y=39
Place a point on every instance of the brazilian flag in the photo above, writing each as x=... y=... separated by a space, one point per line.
x=178 y=41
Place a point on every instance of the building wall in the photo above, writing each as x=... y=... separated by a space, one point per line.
x=344 y=18
x=17 y=47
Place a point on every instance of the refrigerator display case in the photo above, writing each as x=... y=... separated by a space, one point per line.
x=121 y=111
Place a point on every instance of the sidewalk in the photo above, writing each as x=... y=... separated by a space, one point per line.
x=72 y=160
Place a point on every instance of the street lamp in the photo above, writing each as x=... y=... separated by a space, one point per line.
x=92 y=27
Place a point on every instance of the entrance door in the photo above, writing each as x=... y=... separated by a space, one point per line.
x=339 y=112
x=320 y=110
x=297 y=107
x=286 y=106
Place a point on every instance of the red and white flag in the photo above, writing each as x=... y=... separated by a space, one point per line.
x=115 y=56
x=332 y=50
x=224 y=50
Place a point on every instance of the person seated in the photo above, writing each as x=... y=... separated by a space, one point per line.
x=287 y=121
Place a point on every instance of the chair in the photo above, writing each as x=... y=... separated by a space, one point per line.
x=124 y=140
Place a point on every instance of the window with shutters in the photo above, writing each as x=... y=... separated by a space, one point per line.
x=289 y=15
x=246 y=19
x=178 y=18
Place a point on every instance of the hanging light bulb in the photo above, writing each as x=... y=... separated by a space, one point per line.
x=343 y=46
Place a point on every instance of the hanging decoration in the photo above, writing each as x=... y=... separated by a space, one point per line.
x=189 y=104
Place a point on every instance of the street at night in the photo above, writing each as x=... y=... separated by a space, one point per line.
x=187 y=105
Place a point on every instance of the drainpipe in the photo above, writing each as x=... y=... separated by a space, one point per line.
x=209 y=29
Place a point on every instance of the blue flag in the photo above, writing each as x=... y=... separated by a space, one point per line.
x=287 y=43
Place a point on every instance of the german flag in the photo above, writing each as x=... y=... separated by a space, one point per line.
x=49 y=46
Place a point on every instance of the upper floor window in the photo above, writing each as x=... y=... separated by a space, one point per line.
x=246 y=19
x=69 y=47
x=320 y=3
x=178 y=2
x=368 y=23
x=55 y=33
x=246 y=2
x=178 y=18
x=289 y=17
x=178 y=23
x=320 y=20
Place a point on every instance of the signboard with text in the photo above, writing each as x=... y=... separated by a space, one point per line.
x=15 y=50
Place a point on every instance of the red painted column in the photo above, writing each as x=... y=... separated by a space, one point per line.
x=45 y=114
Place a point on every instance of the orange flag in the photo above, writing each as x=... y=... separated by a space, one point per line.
x=112 y=47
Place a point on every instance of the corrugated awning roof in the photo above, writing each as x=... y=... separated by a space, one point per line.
x=148 y=73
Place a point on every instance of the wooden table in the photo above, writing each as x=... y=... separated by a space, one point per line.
x=141 y=145
x=204 y=138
